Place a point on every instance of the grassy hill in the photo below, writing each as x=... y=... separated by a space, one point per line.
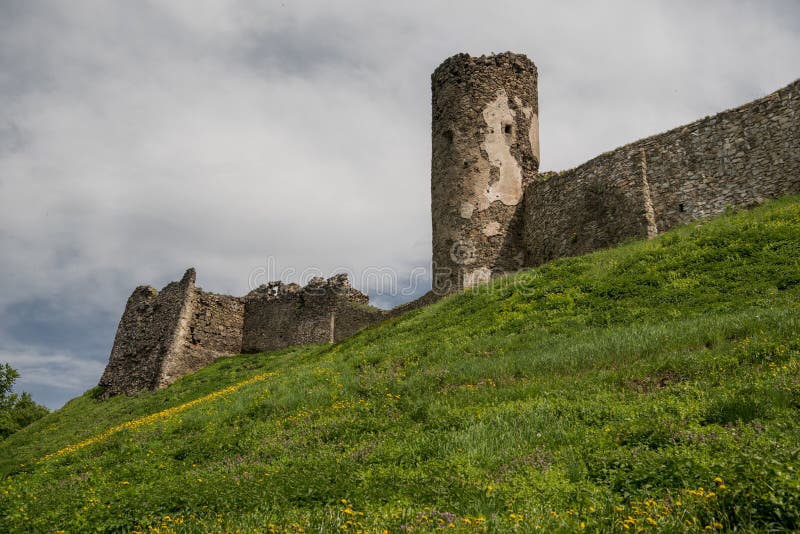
x=652 y=386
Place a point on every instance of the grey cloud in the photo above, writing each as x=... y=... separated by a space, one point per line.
x=12 y=138
x=52 y=321
x=53 y=377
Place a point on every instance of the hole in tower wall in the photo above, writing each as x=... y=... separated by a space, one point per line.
x=681 y=208
x=507 y=129
x=448 y=137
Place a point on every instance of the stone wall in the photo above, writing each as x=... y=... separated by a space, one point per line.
x=737 y=158
x=165 y=335
x=596 y=205
x=485 y=149
x=350 y=317
x=279 y=315
x=213 y=329
x=146 y=332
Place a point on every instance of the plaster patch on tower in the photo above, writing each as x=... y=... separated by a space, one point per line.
x=477 y=276
x=533 y=129
x=466 y=209
x=493 y=228
x=533 y=135
x=497 y=145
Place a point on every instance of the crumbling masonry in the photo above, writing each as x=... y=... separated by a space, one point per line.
x=493 y=213
x=164 y=335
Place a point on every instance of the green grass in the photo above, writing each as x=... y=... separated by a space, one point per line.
x=654 y=386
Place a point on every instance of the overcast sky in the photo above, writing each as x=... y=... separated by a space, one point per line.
x=140 y=138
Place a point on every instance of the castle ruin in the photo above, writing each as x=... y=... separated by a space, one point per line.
x=492 y=213
x=165 y=335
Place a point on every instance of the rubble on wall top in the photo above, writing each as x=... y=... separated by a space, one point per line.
x=458 y=63
x=272 y=290
x=145 y=291
x=338 y=284
x=189 y=276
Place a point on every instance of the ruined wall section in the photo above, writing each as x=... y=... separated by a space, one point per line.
x=280 y=315
x=737 y=158
x=485 y=150
x=210 y=328
x=599 y=204
x=147 y=332
x=350 y=317
x=166 y=335
x=269 y=314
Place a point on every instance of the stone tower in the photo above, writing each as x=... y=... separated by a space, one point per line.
x=485 y=132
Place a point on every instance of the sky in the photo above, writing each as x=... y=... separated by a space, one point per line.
x=257 y=140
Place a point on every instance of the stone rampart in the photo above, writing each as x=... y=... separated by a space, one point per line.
x=166 y=335
x=736 y=158
x=143 y=335
x=280 y=315
x=211 y=327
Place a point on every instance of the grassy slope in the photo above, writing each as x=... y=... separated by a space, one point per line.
x=656 y=385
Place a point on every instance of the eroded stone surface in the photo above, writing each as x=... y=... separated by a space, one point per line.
x=492 y=228
x=280 y=315
x=738 y=158
x=533 y=135
x=166 y=335
x=477 y=276
x=483 y=108
x=467 y=209
x=209 y=327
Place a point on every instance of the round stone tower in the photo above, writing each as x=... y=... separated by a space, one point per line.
x=485 y=152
